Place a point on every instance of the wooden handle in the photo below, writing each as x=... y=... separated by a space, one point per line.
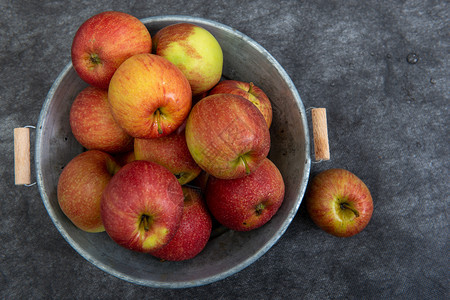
x=22 y=156
x=320 y=134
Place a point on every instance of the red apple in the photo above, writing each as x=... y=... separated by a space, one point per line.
x=93 y=125
x=193 y=233
x=250 y=92
x=80 y=188
x=142 y=206
x=246 y=203
x=149 y=96
x=339 y=202
x=103 y=42
x=171 y=152
x=227 y=136
x=194 y=50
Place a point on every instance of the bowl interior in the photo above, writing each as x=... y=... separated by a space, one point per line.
x=226 y=253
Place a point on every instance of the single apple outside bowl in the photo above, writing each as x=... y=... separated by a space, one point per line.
x=227 y=253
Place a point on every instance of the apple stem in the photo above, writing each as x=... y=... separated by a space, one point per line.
x=145 y=222
x=158 y=120
x=347 y=206
x=250 y=90
x=94 y=59
x=259 y=208
x=247 y=168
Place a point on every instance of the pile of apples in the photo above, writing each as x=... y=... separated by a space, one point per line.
x=171 y=147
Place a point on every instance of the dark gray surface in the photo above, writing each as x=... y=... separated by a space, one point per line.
x=388 y=123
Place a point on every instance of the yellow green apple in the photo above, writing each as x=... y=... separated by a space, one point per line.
x=194 y=50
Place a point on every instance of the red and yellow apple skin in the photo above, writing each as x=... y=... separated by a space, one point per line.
x=103 y=42
x=142 y=206
x=339 y=202
x=246 y=203
x=149 y=96
x=227 y=136
x=194 y=50
x=170 y=151
x=80 y=188
x=193 y=233
x=250 y=92
x=93 y=125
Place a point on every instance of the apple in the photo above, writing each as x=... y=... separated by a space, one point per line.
x=80 y=188
x=142 y=206
x=93 y=125
x=194 y=50
x=193 y=233
x=246 y=203
x=149 y=96
x=170 y=151
x=227 y=136
x=250 y=92
x=103 y=42
x=339 y=202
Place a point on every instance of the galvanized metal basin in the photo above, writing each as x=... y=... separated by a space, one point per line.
x=227 y=253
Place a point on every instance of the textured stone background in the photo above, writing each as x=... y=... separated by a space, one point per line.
x=388 y=123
